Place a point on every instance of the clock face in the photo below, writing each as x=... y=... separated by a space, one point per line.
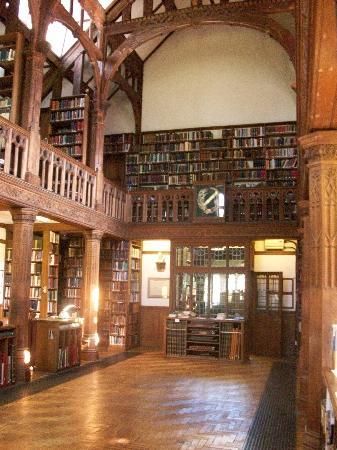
x=208 y=200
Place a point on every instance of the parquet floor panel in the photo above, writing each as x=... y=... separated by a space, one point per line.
x=147 y=402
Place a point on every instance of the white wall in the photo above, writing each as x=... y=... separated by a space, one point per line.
x=217 y=75
x=149 y=269
x=119 y=117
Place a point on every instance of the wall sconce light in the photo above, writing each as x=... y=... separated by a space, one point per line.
x=160 y=263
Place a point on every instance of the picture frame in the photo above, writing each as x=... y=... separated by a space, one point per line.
x=158 y=288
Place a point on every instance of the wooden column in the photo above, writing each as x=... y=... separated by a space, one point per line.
x=304 y=260
x=23 y=221
x=97 y=157
x=91 y=293
x=321 y=270
x=33 y=82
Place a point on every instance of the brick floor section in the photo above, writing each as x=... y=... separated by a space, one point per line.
x=146 y=402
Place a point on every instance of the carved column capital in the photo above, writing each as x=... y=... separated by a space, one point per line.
x=21 y=215
x=320 y=146
x=93 y=235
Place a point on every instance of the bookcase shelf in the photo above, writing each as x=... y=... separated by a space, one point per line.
x=7 y=356
x=11 y=50
x=69 y=125
x=252 y=155
x=222 y=339
x=8 y=277
x=71 y=268
x=43 y=294
x=118 y=322
x=56 y=344
x=119 y=143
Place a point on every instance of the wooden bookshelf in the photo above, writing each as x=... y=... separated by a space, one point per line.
x=7 y=356
x=71 y=270
x=50 y=273
x=8 y=277
x=213 y=338
x=242 y=155
x=117 y=144
x=11 y=50
x=36 y=274
x=69 y=125
x=118 y=323
x=133 y=319
x=56 y=344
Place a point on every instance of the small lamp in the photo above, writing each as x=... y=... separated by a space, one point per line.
x=160 y=263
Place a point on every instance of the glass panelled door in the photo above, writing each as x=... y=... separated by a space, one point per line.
x=267 y=314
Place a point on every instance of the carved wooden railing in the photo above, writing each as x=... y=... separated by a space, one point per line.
x=58 y=172
x=61 y=174
x=244 y=205
x=115 y=201
x=13 y=149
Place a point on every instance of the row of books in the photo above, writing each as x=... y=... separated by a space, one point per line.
x=76 y=271
x=134 y=297
x=135 y=264
x=35 y=292
x=73 y=261
x=52 y=295
x=245 y=131
x=72 y=127
x=36 y=267
x=60 y=116
x=68 y=356
x=53 y=261
x=59 y=139
x=116 y=340
x=5 y=102
x=7 y=54
x=71 y=102
x=35 y=280
x=74 y=150
x=177 y=136
x=116 y=246
x=52 y=307
x=37 y=255
x=52 y=283
x=7 y=373
x=72 y=293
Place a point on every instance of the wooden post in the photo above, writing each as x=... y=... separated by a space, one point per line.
x=321 y=273
x=97 y=156
x=23 y=221
x=91 y=293
x=305 y=306
x=33 y=82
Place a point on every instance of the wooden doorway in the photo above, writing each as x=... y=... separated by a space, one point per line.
x=267 y=314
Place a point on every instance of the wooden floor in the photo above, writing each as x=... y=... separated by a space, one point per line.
x=145 y=402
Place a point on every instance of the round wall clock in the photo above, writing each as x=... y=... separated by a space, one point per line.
x=208 y=200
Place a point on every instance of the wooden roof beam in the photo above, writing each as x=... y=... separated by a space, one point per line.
x=95 y=11
x=63 y=16
x=117 y=8
x=261 y=6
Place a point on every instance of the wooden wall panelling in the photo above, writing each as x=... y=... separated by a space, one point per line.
x=152 y=326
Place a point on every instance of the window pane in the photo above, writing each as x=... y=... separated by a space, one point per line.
x=218 y=256
x=236 y=295
x=200 y=293
x=261 y=281
x=200 y=256
x=183 y=256
x=183 y=292
x=218 y=303
x=236 y=256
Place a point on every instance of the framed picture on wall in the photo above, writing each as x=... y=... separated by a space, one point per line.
x=158 y=288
